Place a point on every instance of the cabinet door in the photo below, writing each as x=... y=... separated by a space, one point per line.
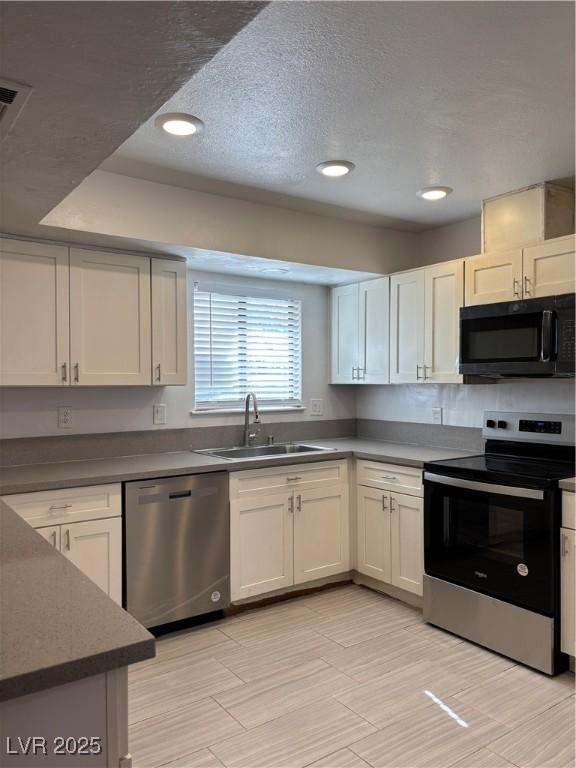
x=344 y=358
x=95 y=547
x=549 y=268
x=374 y=331
x=568 y=591
x=407 y=542
x=444 y=297
x=407 y=327
x=109 y=318
x=261 y=544
x=34 y=310
x=169 y=322
x=52 y=534
x=321 y=533
x=493 y=277
x=373 y=545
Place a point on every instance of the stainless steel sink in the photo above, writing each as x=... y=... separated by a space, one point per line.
x=264 y=451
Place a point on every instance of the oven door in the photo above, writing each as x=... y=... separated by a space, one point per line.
x=510 y=339
x=497 y=540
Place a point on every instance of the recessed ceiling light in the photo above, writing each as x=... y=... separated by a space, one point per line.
x=335 y=168
x=434 y=193
x=179 y=123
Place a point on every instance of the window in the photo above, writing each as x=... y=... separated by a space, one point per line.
x=246 y=344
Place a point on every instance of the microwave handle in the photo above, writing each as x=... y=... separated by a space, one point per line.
x=546 y=349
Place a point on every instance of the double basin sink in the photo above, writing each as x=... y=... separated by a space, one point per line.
x=264 y=451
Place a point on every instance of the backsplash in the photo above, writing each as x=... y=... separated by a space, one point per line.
x=464 y=405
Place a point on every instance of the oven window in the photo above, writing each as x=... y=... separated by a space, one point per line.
x=512 y=338
x=498 y=545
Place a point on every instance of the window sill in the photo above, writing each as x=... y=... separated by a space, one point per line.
x=263 y=409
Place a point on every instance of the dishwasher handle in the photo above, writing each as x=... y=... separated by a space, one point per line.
x=180 y=494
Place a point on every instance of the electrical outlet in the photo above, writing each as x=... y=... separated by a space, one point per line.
x=160 y=413
x=316 y=407
x=64 y=417
x=436 y=415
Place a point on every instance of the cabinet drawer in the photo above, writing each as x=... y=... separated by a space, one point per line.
x=390 y=477
x=569 y=510
x=68 y=505
x=273 y=479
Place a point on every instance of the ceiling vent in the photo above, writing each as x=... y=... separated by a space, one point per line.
x=13 y=96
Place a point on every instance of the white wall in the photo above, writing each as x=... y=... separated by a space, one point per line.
x=453 y=241
x=126 y=207
x=33 y=411
x=463 y=405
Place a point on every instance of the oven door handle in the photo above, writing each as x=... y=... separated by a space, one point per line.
x=546 y=346
x=475 y=485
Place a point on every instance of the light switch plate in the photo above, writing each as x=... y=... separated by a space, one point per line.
x=317 y=407
x=436 y=415
x=160 y=413
x=64 y=417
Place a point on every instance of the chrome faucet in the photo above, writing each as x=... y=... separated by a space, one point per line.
x=248 y=435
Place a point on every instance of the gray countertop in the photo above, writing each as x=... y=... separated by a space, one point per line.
x=69 y=474
x=57 y=625
x=568 y=484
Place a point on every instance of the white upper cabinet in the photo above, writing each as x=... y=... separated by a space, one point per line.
x=110 y=318
x=549 y=268
x=169 y=322
x=407 y=327
x=374 y=331
x=493 y=277
x=34 y=323
x=344 y=334
x=545 y=269
x=444 y=295
x=360 y=337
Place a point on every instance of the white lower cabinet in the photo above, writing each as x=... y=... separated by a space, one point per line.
x=261 y=544
x=79 y=529
x=95 y=547
x=321 y=533
x=373 y=542
x=568 y=591
x=390 y=530
x=288 y=527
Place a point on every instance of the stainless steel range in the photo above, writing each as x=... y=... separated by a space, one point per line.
x=492 y=538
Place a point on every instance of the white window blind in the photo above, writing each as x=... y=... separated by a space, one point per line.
x=244 y=344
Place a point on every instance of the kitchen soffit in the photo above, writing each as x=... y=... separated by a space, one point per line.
x=479 y=96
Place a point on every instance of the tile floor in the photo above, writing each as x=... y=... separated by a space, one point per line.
x=345 y=678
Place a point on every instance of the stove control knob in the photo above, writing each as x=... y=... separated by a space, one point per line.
x=502 y=424
x=490 y=423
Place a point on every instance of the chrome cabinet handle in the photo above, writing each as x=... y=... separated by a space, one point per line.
x=388 y=477
x=527 y=289
x=427 y=368
x=291 y=505
x=292 y=479
x=361 y=373
x=418 y=377
x=565 y=548
x=392 y=505
x=76 y=373
x=353 y=373
x=159 y=373
x=68 y=540
x=299 y=503
x=384 y=505
x=65 y=373
x=59 y=506
x=516 y=287
x=53 y=538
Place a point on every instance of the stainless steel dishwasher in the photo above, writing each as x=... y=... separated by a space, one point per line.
x=177 y=536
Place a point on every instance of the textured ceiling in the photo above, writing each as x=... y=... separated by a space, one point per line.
x=98 y=70
x=475 y=95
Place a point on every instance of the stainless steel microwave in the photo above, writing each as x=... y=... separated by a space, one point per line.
x=519 y=338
